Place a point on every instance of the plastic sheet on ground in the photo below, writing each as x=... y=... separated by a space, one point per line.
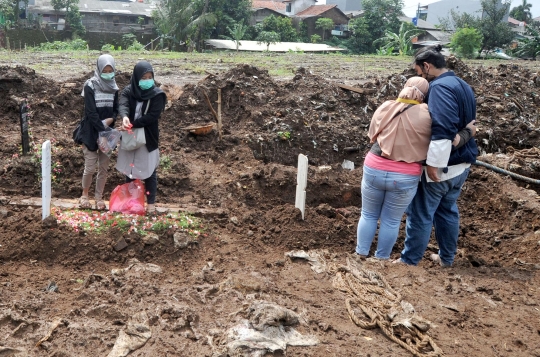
x=314 y=257
x=269 y=329
x=136 y=266
x=133 y=337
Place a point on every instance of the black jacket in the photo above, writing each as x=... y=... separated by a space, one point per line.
x=91 y=124
x=148 y=121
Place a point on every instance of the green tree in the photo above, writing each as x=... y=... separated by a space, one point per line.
x=402 y=41
x=6 y=8
x=268 y=38
x=315 y=38
x=324 y=24
x=379 y=16
x=178 y=23
x=466 y=42
x=522 y=12
x=458 y=20
x=359 y=42
x=237 y=33
x=529 y=47
x=227 y=13
x=73 y=16
x=282 y=26
x=495 y=31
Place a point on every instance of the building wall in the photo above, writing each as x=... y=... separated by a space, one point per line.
x=33 y=37
x=441 y=9
x=115 y=23
x=346 y=5
x=300 y=5
x=335 y=15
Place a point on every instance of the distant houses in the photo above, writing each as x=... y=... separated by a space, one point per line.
x=302 y=11
x=99 y=15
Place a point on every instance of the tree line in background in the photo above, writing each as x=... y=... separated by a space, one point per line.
x=186 y=24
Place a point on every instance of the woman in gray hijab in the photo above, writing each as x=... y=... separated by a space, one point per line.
x=141 y=105
x=100 y=110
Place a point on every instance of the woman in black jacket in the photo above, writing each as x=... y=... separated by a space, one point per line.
x=141 y=105
x=100 y=109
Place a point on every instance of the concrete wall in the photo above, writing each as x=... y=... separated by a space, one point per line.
x=441 y=9
x=346 y=5
x=33 y=37
x=300 y=5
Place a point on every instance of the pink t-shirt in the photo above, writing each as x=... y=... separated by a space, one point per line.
x=381 y=163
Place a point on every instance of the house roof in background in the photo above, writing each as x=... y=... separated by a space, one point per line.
x=353 y=14
x=315 y=10
x=513 y=21
x=268 y=4
x=442 y=36
x=99 y=6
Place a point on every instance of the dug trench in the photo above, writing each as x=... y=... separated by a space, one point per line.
x=242 y=188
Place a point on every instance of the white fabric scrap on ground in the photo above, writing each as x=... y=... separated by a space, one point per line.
x=314 y=257
x=272 y=339
x=133 y=337
x=269 y=329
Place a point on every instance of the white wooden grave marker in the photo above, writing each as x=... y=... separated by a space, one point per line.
x=46 y=179
x=301 y=183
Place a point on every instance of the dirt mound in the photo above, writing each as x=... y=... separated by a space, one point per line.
x=88 y=285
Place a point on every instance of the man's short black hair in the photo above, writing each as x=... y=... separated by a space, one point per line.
x=430 y=54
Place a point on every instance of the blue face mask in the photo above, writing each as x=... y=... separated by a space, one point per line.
x=146 y=84
x=107 y=76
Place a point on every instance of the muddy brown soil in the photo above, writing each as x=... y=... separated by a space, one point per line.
x=243 y=188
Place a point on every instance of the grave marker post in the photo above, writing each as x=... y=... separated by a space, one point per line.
x=25 y=138
x=46 y=179
x=301 y=183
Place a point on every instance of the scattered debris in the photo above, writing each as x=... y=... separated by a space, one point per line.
x=56 y=322
x=136 y=266
x=269 y=329
x=133 y=337
x=314 y=257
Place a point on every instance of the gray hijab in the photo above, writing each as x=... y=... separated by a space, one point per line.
x=99 y=84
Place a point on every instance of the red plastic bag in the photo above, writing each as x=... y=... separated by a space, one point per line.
x=128 y=198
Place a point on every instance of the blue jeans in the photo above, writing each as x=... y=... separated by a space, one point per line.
x=435 y=204
x=385 y=195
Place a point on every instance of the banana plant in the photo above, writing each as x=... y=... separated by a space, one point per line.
x=401 y=41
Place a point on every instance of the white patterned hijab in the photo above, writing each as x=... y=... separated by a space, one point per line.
x=99 y=84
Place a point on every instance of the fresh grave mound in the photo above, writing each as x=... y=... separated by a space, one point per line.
x=80 y=236
x=49 y=101
x=308 y=115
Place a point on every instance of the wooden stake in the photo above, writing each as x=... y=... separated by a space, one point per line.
x=219 y=112
x=210 y=105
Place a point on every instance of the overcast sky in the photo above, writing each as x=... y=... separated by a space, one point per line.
x=412 y=5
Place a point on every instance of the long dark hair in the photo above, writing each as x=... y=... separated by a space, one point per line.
x=430 y=54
